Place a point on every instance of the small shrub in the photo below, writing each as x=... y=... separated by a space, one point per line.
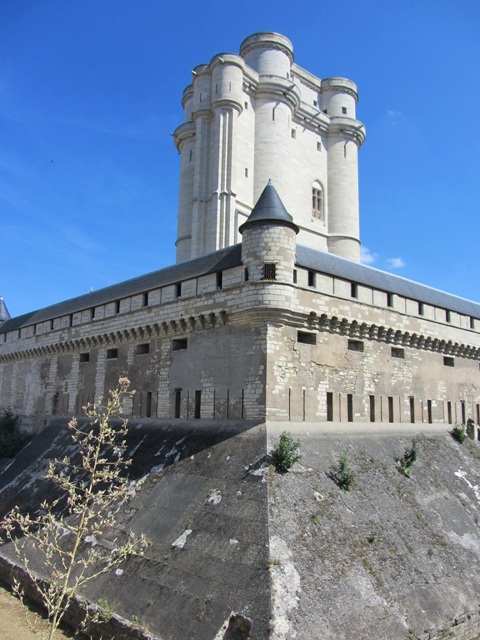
x=11 y=441
x=285 y=454
x=316 y=519
x=372 y=537
x=407 y=459
x=345 y=475
x=459 y=433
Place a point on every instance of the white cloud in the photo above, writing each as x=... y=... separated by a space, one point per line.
x=366 y=257
x=394 y=117
x=396 y=263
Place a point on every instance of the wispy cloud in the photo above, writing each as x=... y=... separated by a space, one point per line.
x=366 y=257
x=394 y=117
x=396 y=263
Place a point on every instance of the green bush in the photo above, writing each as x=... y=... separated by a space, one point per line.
x=459 y=433
x=285 y=454
x=407 y=459
x=345 y=475
x=11 y=441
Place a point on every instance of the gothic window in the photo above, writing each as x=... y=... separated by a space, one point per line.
x=317 y=201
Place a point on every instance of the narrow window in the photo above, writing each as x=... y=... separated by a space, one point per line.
x=117 y=306
x=178 y=289
x=190 y=155
x=350 y=407
x=389 y=299
x=325 y=111
x=246 y=172
x=398 y=352
x=317 y=201
x=390 y=409
x=448 y=361
x=70 y=320
x=306 y=338
x=52 y=323
x=448 y=315
x=178 y=402
x=472 y=323
x=372 y=408
x=84 y=357
x=294 y=276
x=355 y=345
x=245 y=274
x=198 y=405
x=269 y=271
x=319 y=145
x=429 y=412
x=294 y=133
x=344 y=110
x=315 y=103
x=464 y=412
x=412 y=409
x=148 y=408
x=92 y=313
x=142 y=349
x=354 y=290
x=112 y=354
x=478 y=413
x=420 y=309
x=449 y=412
x=34 y=329
x=311 y=278
x=246 y=105
x=219 y=279
x=145 y=299
x=329 y=406
x=179 y=344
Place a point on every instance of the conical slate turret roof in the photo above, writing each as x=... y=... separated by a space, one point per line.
x=4 y=315
x=269 y=208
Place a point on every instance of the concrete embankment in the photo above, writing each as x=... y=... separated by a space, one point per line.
x=395 y=557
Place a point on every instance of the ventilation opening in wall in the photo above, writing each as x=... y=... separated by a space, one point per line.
x=355 y=345
x=349 y=407
x=329 y=406
x=198 y=405
x=141 y=349
x=84 y=357
x=178 y=403
x=448 y=361
x=269 y=271
x=372 y=408
x=306 y=338
x=179 y=344
x=398 y=352
x=112 y=354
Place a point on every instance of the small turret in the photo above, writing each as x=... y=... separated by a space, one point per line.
x=269 y=239
x=4 y=315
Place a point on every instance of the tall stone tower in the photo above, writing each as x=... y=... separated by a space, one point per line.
x=259 y=116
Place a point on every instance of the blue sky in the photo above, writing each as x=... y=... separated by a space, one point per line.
x=90 y=91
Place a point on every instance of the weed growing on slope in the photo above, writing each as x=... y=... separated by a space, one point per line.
x=286 y=453
x=406 y=460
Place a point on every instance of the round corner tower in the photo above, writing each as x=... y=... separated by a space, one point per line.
x=258 y=116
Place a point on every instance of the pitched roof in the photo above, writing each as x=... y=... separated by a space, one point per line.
x=269 y=208
x=307 y=258
x=4 y=315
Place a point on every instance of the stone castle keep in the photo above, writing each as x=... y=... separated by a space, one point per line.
x=268 y=313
